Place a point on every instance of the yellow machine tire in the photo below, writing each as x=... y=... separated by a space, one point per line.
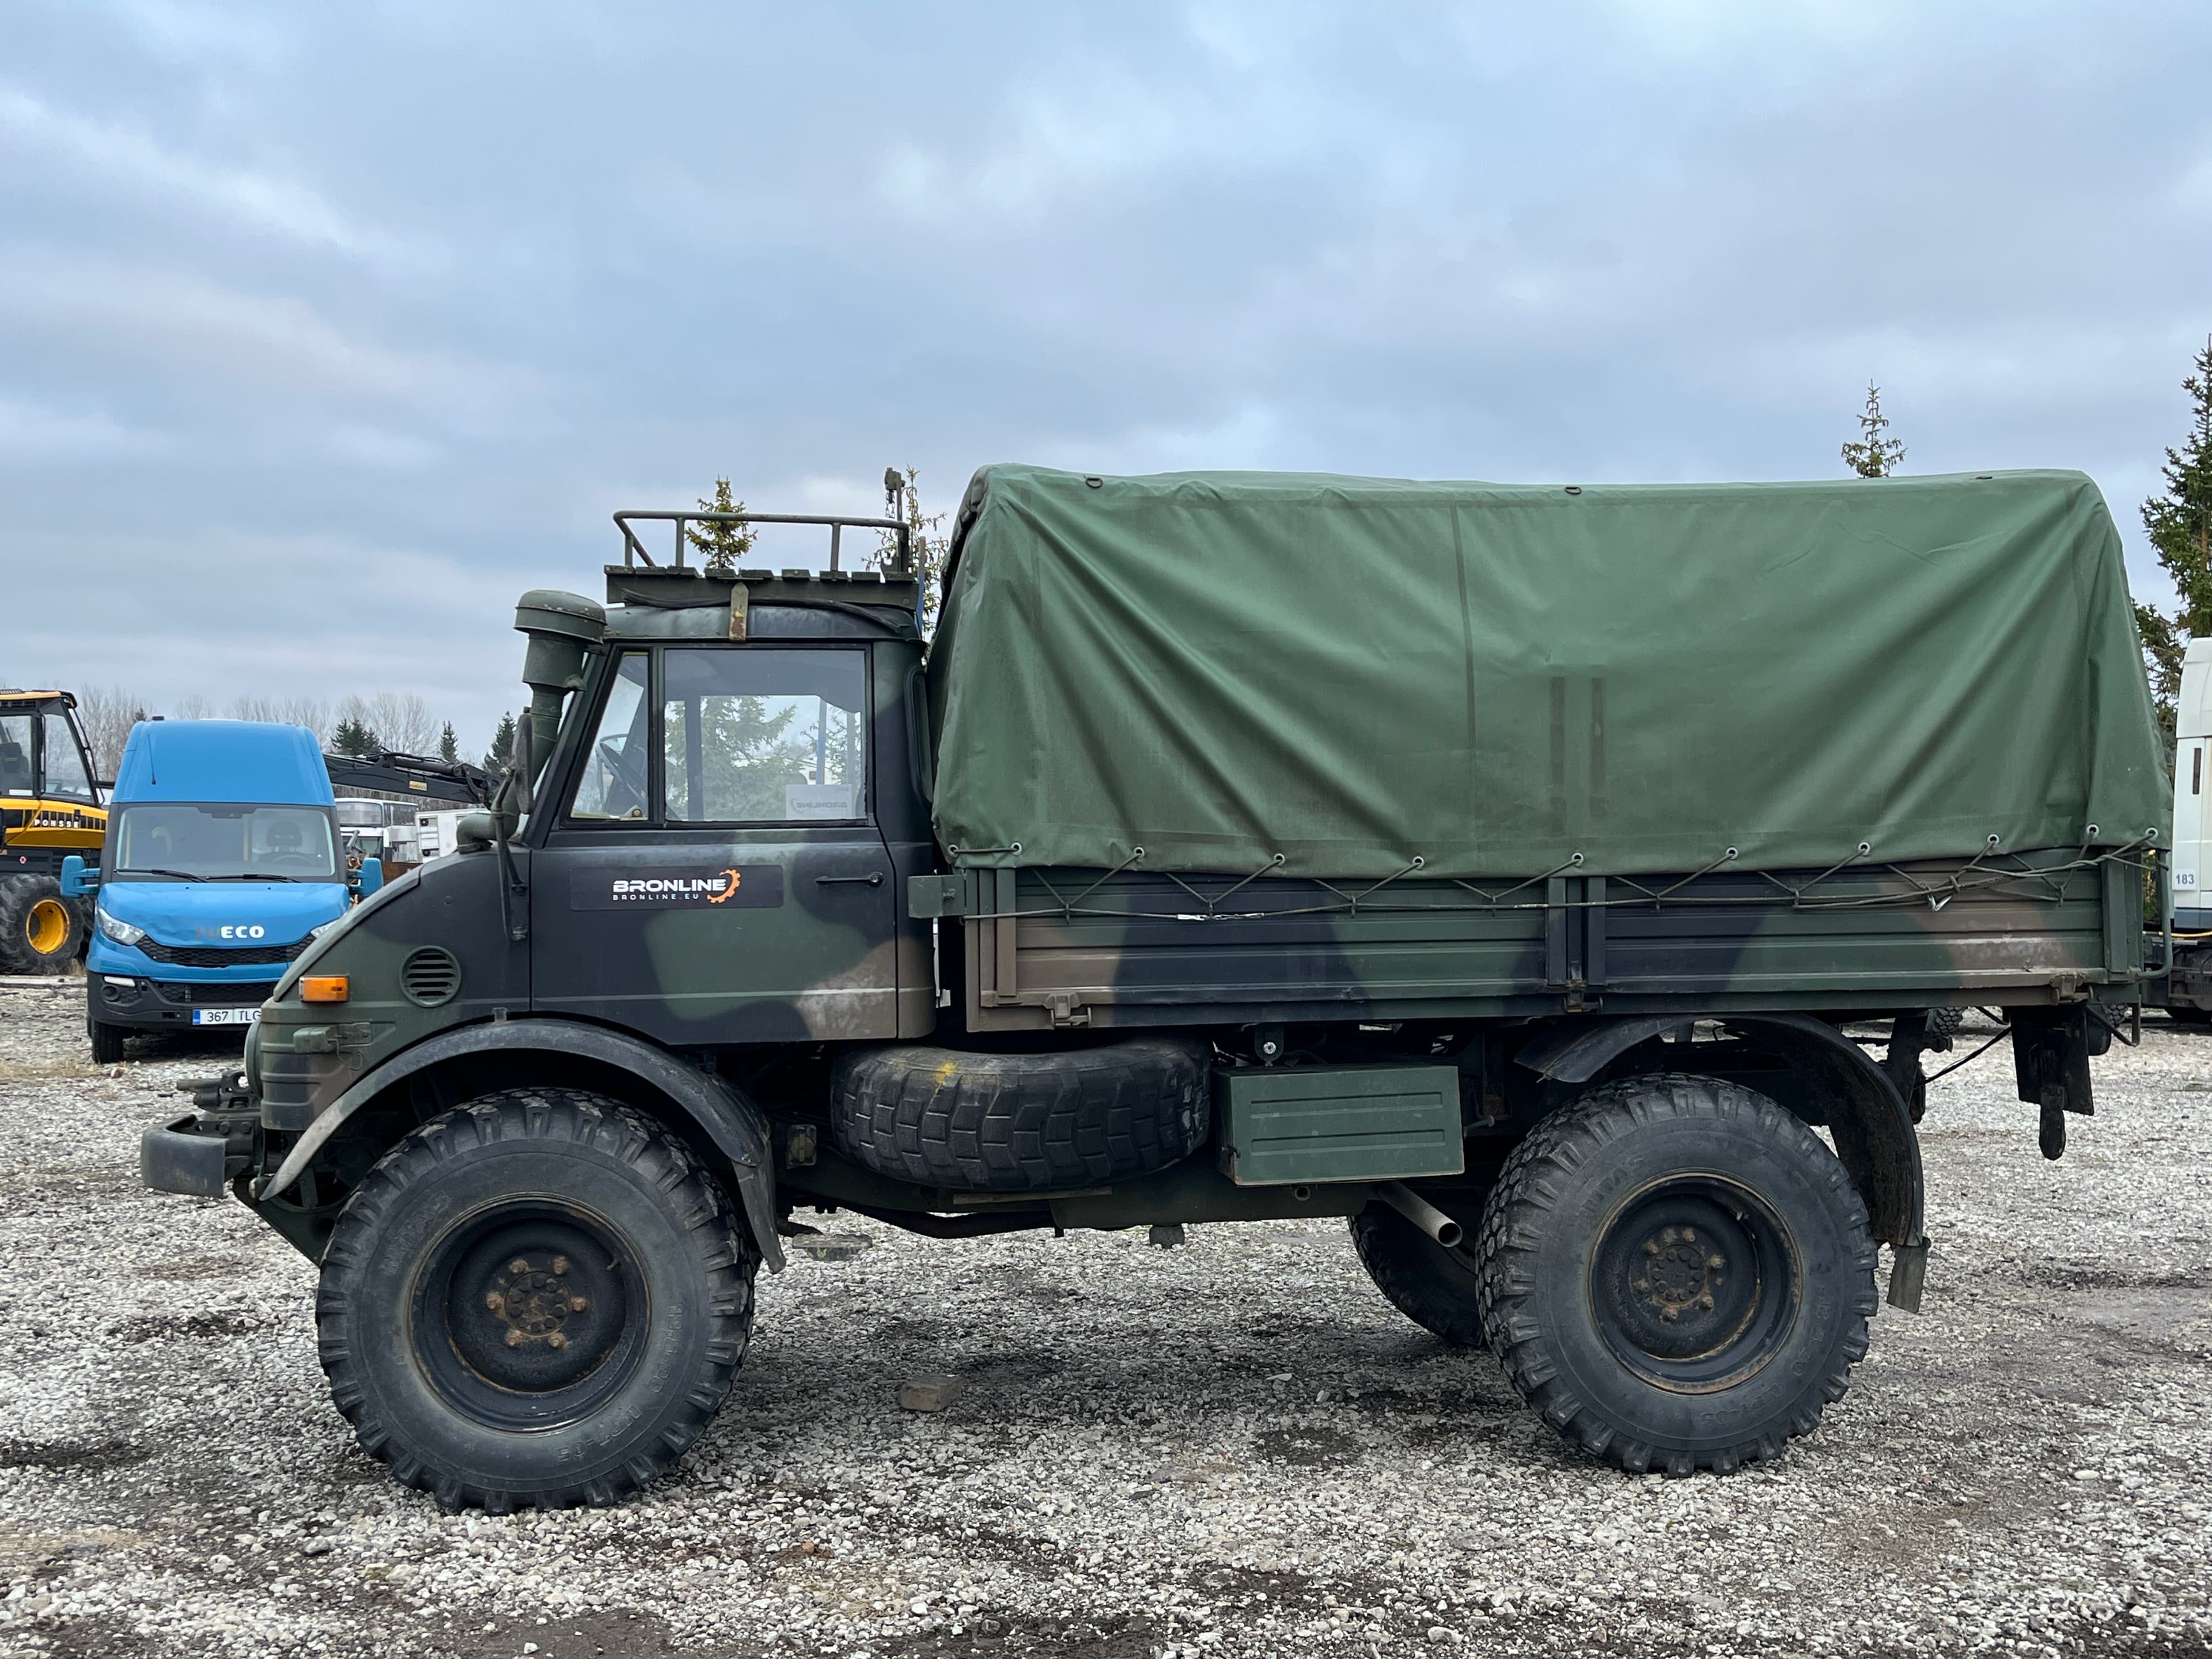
x=40 y=932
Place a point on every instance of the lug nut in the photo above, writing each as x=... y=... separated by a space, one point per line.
x=496 y=1302
x=518 y=1266
x=577 y=1304
x=556 y=1340
x=560 y=1264
x=514 y=1339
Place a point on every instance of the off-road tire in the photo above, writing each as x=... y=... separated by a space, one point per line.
x=1005 y=1124
x=405 y=1277
x=106 y=1042
x=1436 y=1288
x=1945 y=1022
x=1572 y=1200
x=40 y=932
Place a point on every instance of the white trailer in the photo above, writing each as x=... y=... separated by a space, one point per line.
x=434 y=832
x=2190 y=994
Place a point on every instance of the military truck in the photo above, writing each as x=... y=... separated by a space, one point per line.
x=1552 y=884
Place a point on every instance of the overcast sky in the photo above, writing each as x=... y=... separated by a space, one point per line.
x=324 y=330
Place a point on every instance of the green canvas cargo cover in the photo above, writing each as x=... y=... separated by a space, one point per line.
x=1354 y=673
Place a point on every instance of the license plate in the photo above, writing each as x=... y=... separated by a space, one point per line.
x=226 y=1016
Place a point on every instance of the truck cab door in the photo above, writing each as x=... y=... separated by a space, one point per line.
x=715 y=873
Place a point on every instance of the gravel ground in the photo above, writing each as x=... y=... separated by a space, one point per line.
x=1236 y=1447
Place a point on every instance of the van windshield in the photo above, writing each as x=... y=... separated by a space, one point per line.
x=218 y=841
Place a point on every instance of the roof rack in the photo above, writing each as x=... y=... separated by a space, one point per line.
x=634 y=552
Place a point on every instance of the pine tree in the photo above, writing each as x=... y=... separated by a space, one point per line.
x=448 y=750
x=2179 y=524
x=723 y=543
x=353 y=737
x=501 y=752
x=1874 y=456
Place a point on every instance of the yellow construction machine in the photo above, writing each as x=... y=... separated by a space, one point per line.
x=51 y=806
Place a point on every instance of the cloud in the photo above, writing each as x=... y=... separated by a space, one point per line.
x=31 y=433
x=160 y=322
x=280 y=206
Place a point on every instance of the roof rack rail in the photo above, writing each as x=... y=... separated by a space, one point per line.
x=634 y=549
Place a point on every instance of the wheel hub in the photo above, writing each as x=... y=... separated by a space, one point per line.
x=534 y=1303
x=528 y=1314
x=1694 y=1283
x=1679 y=1273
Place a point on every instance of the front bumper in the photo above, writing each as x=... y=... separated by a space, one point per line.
x=156 y=1004
x=179 y=1156
x=202 y=1152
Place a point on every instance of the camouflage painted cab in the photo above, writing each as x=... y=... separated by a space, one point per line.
x=757 y=927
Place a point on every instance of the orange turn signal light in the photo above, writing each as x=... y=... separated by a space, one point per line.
x=324 y=987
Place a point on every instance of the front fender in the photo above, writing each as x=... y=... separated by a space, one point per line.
x=736 y=1128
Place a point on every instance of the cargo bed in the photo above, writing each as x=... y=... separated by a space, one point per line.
x=1045 y=947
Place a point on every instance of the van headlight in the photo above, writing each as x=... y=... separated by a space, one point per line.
x=121 y=932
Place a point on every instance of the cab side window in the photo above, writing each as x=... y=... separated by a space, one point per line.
x=16 y=775
x=758 y=735
x=64 y=765
x=616 y=784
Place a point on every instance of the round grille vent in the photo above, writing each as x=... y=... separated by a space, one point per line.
x=430 y=975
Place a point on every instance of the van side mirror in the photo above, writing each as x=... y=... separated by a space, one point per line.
x=369 y=877
x=76 y=880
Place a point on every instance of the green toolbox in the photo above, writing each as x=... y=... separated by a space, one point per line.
x=1281 y=1124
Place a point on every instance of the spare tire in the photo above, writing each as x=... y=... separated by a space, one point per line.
x=1014 y=1123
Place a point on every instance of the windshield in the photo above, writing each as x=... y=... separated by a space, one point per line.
x=218 y=839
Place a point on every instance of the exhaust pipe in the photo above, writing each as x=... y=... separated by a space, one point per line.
x=1422 y=1213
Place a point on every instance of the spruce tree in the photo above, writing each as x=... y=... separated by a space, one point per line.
x=354 y=738
x=448 y=749
x=501 y=752
x=2179 y=524
x=723 y=543
x=1873 y=456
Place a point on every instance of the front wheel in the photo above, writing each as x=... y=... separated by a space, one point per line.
x=106 y=1042
x=1677 y=1273
x=539 y=1297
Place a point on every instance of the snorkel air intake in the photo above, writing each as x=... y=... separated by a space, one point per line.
x=562 y=628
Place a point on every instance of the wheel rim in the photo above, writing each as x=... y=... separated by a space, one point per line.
x=46 y=928
x=528 y=1314
x=1695 y=1282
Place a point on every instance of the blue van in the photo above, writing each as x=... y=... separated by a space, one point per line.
x=223 y=859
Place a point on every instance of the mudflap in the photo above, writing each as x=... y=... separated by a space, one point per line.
x=2050 y=1050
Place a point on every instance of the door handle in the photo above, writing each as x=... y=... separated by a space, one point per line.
x=874 y=878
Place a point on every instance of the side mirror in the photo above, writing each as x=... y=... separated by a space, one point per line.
x=369 y=877
x=76 y=880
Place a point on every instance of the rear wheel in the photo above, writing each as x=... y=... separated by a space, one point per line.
x=1436 y=1288
x=40 y=932
x=537 y=1298
x=1677 y=1273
